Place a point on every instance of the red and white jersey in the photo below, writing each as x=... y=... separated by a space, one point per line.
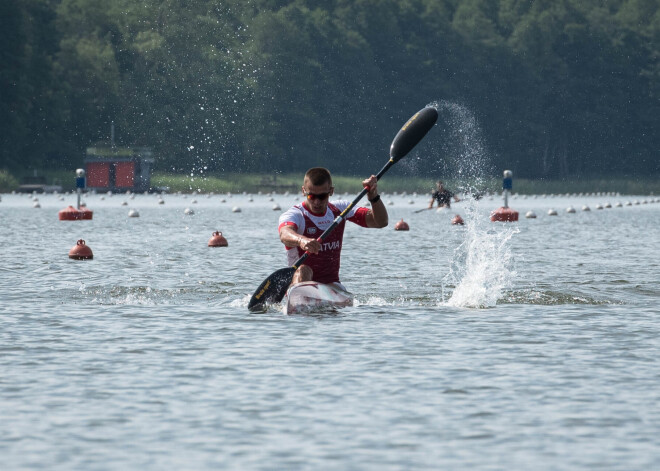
x=325 y=264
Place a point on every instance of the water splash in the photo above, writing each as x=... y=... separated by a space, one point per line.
x=481 y=265
x=481 y=268
x=465 y=156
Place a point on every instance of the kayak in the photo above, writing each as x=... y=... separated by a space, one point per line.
x=310 y=296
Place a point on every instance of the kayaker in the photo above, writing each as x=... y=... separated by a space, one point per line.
x=442 y=195
x=302 y=225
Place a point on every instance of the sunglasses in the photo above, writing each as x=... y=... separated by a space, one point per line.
x=317 y=196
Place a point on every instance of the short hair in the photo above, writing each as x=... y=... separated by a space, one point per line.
x=318 y=176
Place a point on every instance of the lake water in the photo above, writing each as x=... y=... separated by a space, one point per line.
x=531 y=345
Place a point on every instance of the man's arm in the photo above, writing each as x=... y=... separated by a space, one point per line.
x=377 y=215
x=433 y=194
x=291 y=238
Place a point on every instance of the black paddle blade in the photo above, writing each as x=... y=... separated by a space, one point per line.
x=412 y=132
x=272 y=289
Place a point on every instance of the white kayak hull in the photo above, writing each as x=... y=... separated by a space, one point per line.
x=310 y=296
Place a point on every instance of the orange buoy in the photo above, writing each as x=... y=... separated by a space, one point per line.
x=401 y=226
x=81 y=251
x=218 y=240
x=504 y=214
x=73 y=214
x=458 y=220
x=86 y=213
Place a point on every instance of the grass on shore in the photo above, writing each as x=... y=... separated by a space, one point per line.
x=255 y=182
x=7 y=182
x=252 y=183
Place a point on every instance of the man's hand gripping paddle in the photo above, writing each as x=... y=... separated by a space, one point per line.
x=273 y=288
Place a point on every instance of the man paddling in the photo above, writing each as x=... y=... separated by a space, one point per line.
x=443 y=196
x=300 y=226
x=273 y=288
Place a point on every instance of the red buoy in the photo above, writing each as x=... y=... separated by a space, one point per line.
x=218 y=240
x=401 y=226
x=504 y=214
x=458 y=220
x=86 y=213
x=73 y=214
x=81 y=251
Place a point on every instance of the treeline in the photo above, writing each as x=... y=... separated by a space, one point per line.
x=557 y=87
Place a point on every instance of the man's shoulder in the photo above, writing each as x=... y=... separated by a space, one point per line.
x=338 y=204
x=293 y=211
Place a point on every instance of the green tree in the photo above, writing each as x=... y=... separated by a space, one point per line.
x=30 y=105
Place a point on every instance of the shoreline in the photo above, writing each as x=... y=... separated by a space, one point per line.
x=280 y=183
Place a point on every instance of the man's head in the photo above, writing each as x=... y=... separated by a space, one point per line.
x=439 y=184
x=317 y=188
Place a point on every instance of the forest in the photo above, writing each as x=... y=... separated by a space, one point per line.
x=556 y=88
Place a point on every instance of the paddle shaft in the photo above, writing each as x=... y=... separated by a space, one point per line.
x=343 y=214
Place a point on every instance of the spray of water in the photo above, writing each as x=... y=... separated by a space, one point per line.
x=480 y=270
x=469 y=161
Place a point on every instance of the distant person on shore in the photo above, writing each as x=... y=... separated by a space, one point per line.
x=443 y=196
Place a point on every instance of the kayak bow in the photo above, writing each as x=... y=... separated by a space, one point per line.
x=310 y=296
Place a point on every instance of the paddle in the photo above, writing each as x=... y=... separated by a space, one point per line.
x=273 y=288
x=420 y=210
